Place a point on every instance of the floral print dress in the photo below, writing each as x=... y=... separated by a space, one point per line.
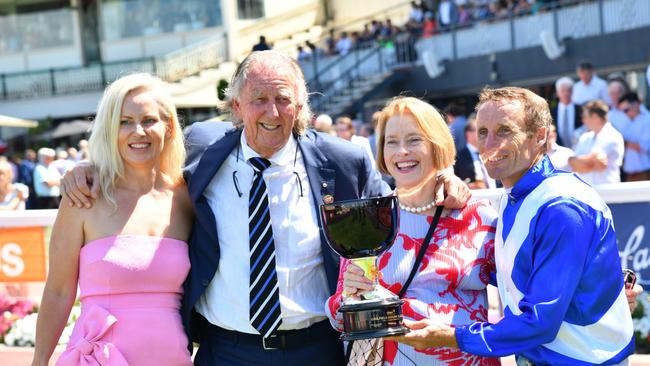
x=450 y=285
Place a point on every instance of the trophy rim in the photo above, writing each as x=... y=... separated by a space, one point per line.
x=370 y=304
x=358 y=200
x=356 y=204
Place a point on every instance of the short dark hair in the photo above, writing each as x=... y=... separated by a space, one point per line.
x=454 y=110
x=585 y=65
x=630 y=97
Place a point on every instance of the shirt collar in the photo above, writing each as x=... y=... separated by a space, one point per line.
x=282 y=157
x=532 y=178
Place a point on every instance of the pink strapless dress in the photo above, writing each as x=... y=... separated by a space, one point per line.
x=130 y=292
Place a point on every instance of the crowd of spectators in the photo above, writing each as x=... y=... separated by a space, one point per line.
x=603 y=129
x=425 y=19
x=32 y=181
x=601 y=132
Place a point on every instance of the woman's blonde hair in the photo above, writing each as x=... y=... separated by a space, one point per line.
x=429 y=121
x=104 y=151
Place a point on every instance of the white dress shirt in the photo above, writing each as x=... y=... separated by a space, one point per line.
x=559 y=156
x=596 y=89
x=444 y=11
x=44 y=173
x=609 y=142
x=298 y=255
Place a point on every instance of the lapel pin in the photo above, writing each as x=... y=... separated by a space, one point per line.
x=327 y=199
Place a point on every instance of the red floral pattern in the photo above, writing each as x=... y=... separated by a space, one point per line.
x=449 y=285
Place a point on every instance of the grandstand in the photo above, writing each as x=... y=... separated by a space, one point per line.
x=56 y=56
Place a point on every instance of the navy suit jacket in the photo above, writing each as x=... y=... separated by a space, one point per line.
x=577 y=122
x=464 y=165
x=334 y=167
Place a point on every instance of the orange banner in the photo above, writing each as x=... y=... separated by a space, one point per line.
x=22 y=254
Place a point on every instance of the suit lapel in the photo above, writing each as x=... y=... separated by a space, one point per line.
x=321 y=181
x=211 y=161
x=321 y=177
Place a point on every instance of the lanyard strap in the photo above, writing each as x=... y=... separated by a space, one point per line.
x=416 y=265
x=423 y=250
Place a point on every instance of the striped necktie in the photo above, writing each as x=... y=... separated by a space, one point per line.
x=265 y=312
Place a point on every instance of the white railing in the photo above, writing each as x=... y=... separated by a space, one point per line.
x=192 y=59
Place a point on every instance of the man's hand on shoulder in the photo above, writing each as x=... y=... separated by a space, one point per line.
x=80 y=185
x=450 y=191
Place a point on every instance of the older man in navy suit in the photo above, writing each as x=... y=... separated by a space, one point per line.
x=261 y=269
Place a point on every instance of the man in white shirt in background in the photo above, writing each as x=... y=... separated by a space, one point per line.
x=46 y=180
x=567 y=115
x=590 y=87
x=637 y=139
x=344 y=44
x=599 y=153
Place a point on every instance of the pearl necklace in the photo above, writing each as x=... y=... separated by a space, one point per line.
x=417 y=209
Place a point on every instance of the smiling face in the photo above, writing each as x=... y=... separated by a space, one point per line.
x=143 y=129
x=268 y=106
x=506 y=148
x=407 y=152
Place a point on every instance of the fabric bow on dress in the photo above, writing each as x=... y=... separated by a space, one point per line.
x=92 y=349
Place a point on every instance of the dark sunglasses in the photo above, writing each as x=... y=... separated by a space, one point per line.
x=628 y=109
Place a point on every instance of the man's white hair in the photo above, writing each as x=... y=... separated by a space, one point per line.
x=273 y=59
x=563 y=81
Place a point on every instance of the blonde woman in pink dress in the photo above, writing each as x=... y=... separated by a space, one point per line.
x=413 y=145
x=128 y=253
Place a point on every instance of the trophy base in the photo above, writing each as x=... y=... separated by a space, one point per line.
x=372 y=319
x=396 y=331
